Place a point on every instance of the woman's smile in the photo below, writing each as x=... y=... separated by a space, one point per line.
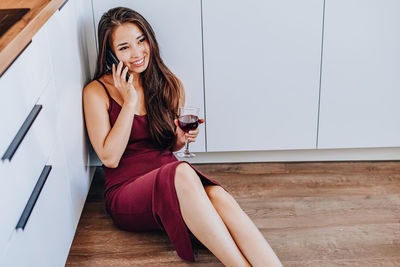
x=139 y=62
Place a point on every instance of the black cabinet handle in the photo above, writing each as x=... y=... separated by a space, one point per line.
x=59 y=9
x=21 y=133
x=15 y=58
x=33 y=198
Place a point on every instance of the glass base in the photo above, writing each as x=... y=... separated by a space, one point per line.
x=185 y=155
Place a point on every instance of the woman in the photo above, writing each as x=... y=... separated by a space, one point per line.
x=132 y=126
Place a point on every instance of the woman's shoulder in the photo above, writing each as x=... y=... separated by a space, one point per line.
x=95 y=91
x=95 y=87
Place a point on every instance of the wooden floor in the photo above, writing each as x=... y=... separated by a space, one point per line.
x=312 y=214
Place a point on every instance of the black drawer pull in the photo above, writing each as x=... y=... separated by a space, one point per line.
x=15 y=58
x=33 y=198
x=21 y=133
x=59 y=9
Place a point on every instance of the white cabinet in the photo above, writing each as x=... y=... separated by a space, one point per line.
x=21 y=173
x=177 y=25
x=262 y=70
x=50 y=74
x=360 y=87
x=274 y=79
x=67 y=37
x=25 y=95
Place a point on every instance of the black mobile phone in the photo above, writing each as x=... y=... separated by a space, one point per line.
x=112 y=59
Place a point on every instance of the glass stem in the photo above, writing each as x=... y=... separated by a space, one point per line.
x=186 y=146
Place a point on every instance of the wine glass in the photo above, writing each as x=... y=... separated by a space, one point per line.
x=188 y=120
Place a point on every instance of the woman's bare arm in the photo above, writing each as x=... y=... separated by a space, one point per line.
x=108 y=142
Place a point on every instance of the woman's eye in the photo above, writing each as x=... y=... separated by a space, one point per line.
x=123 y=48
x=142 y=40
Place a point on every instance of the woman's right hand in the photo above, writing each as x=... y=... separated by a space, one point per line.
x=126 y=88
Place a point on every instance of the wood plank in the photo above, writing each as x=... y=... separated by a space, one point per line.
x=312 y=214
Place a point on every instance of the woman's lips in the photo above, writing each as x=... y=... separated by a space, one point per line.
x=138 y=63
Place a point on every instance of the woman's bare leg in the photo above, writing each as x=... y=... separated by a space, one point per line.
x=245 y=233
x=203 y=220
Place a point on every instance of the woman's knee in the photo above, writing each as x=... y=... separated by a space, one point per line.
x=186 y=176
x=219 y=196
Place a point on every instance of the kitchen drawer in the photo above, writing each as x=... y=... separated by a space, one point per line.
x=47 y=235
x=22 y=84
x=19 y=176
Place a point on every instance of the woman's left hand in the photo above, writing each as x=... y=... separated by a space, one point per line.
x=191 y=135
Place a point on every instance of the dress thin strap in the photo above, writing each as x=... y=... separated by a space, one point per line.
x=105 y=88
x=108 y=94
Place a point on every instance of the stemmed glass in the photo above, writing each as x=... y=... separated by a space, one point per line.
x=188 y=120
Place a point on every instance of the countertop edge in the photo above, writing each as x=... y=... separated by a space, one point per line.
x=21 y=40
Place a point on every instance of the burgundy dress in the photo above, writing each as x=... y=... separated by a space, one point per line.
x=140 y=193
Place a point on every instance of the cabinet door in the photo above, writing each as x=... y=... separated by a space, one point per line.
x=262 y=69
x=360 y=86
x=19 y=175
x=177 y=25
x=48 y=233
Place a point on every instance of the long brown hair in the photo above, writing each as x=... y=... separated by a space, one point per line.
x=160 y=85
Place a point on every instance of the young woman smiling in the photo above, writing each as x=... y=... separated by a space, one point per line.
x=132 y=125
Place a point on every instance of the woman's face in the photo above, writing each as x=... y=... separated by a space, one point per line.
x=131 y=47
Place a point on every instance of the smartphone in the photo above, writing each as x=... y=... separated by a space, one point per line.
x=112 y=59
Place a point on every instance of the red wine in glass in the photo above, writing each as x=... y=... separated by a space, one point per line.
x=188 y=122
